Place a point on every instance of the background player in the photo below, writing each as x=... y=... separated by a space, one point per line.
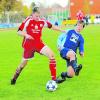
x=68 y=44
x=80 y=15
x=31 y=30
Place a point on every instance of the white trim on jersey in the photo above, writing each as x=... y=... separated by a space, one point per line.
x=26 y=24
x=45 y=22
x=28 y=58
x=26 y=19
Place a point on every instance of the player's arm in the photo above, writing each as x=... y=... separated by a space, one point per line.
x=22 y=30
x=61 y=41
x=53 y=27
x=24 y=34
x=81 y=48
x=57 y=29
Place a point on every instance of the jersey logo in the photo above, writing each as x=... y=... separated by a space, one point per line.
x=74 y=38
x=32 y=25
x=41 y=25
x=36 y=27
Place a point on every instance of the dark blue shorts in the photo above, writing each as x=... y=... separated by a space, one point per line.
x=63 y=54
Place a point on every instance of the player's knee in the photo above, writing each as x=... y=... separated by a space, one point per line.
x=51 y=56
x=71 y=72
x=24 y=63
x=71 y=55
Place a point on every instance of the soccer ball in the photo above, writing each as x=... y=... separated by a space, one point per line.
x=51 y=85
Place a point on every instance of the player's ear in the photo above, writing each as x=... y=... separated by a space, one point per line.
x=84 y=25
x=75 y=25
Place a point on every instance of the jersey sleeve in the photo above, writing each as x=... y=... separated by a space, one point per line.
x=81 y=45
x=47 y=24
x=24 y=24
x=21 y=27
x=61 y=40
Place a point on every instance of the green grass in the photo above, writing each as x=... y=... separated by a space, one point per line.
x=32 y=81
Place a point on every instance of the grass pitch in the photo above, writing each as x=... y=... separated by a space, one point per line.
x=31 y=83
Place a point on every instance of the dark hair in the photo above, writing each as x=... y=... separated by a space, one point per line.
x=35 y=9
x=81 y=22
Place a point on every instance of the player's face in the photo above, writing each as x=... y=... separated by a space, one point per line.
x=79 y=27
x=36 y=16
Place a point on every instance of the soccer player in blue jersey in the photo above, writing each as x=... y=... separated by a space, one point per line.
x=68 y=43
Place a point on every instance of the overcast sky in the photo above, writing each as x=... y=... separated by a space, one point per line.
x=63 y=3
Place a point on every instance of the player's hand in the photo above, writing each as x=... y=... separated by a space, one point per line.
x=82 y=54
x=29 y=37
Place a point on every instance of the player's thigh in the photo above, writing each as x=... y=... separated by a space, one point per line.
x=70 y=54
x=24 y=60
x=28 y=54
x=47 y=52
x=63 y=53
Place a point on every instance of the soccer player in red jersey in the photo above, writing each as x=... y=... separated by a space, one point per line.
x=80 y=15
x=31 y=30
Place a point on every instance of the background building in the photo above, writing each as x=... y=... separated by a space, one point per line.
x=89 y=7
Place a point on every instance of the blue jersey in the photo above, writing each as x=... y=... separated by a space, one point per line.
x=71 y=40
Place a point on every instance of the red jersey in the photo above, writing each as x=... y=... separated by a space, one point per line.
x=33 y=28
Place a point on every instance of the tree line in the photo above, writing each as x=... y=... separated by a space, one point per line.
x=15 y=6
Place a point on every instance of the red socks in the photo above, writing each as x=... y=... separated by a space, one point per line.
x=52 y=66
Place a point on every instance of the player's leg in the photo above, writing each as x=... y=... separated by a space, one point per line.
x=72 y=63
x=27 y=55
x=69 y=56
x=45 y=50
x=52 y=62
x=77 y=69
x=18 y=70
x=69 y=74
x=41 y=48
